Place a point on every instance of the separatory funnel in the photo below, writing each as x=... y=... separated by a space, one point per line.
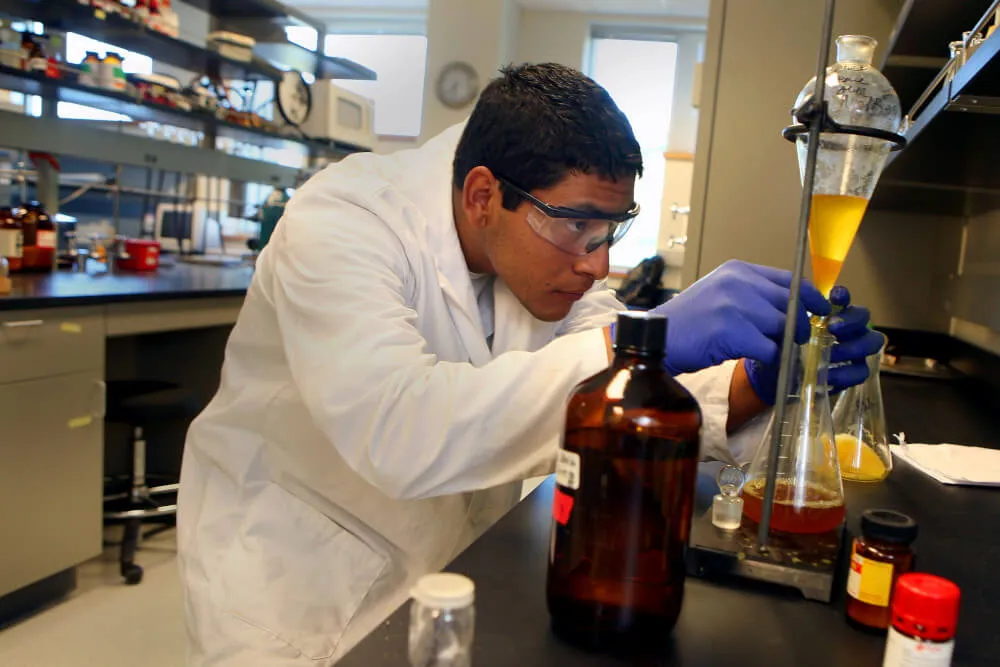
x=808 y=494
x=849 y=163
x=859 y=422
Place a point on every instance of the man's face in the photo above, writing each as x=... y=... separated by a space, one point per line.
x=546 y=279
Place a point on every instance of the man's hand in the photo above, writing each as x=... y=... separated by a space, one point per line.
x=735 y=312
x=848 y=367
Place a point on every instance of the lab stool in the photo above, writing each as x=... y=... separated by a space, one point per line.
x=137 y=497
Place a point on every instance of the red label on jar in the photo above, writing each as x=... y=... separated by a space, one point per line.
x=562 y=507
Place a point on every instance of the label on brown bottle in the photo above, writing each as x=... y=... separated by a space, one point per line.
x=10 y=242
x=568 y=469
x=45 y=239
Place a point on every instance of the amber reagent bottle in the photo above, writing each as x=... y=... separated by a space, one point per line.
x=879 y=557
x=624 y=494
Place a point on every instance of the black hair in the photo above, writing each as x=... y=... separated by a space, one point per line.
x=534 y=124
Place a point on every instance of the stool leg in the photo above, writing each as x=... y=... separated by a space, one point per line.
x=139 y=490
x=130 y=541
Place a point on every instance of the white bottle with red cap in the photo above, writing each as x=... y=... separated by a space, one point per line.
x=924 y=617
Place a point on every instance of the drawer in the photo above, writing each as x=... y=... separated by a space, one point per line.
x=51 y=476
x=44 y=343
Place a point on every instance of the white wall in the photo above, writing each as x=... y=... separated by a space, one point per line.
x=474 y=31
x=563 y=37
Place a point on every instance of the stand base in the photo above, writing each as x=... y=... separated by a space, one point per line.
x=808 y=563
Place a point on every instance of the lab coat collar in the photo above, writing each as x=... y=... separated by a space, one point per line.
x=431 y=190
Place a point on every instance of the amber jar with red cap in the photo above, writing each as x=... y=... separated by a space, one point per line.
x=924 y=618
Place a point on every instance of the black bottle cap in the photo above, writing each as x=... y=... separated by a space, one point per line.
x=640 y=332
x=888 y=526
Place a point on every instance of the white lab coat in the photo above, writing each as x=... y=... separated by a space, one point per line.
x=364 y=432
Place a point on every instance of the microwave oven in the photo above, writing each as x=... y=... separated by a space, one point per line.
x=340 y=115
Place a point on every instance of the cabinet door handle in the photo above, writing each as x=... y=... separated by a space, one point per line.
x=23 y=324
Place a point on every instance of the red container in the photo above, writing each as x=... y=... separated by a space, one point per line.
x=142 y=255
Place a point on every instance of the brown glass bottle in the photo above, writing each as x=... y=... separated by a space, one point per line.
x=11 y=239
x=39 y=238
x=879 y=557
x=624 y=495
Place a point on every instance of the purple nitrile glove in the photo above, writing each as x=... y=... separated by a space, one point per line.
x=848 y=367
x=856 y=341
x=736 y=312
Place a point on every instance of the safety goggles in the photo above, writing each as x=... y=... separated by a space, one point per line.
x=578 y=232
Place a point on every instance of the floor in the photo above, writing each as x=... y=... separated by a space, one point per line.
x=105 y=623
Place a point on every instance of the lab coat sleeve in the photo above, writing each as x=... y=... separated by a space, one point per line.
x=408 y=423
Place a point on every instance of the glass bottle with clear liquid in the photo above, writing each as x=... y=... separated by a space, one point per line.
x=809 y=495
x=861 y=435
x=848 y=165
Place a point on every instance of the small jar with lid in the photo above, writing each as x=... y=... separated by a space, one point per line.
x=924 y=619
x=442 y=620
x=879 y=557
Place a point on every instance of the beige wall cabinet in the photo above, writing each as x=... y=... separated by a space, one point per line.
x=51 y=442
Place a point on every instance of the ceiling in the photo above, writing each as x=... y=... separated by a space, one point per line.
x=683 y=8
x=687 y=8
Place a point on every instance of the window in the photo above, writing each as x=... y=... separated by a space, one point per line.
x=639 y=74
x=401 y=62
x=77 y=47
x=303 y=35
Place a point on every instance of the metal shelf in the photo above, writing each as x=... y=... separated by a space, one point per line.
x=925 y=27
x=255 y=9
x=64 y=90
x=70 y=15
x=81 y=139
x=953 y=135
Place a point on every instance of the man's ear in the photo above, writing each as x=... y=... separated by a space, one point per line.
x=478 y=192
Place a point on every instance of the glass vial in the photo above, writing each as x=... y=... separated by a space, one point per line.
x=624 y=495
x=859 y=422
x=442 y=621
x=879 y=557
x=924 y=618
x=727 y=506
x=808 y=494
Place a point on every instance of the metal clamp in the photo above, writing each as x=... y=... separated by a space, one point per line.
x=810 y=113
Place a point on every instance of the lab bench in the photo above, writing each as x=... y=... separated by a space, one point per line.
x=55 y=331
x=734 y=622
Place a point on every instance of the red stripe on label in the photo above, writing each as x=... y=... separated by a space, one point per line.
x=562 y=507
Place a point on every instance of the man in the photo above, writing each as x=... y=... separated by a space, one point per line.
x=404 y=357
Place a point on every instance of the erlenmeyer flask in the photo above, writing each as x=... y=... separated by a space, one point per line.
x=859 y=424
x=848 y=166
x=808 y=496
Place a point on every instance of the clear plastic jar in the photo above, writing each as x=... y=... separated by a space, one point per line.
x=442 y=621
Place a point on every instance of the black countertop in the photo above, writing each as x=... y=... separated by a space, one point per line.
x=172 y=281
x=741 y=624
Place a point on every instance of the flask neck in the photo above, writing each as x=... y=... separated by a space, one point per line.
x=856 y=49
x=816 y=357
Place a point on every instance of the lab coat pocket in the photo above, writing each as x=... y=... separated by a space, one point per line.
x=297 y=575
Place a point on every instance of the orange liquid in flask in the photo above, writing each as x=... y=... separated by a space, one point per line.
x=833 y=223
x=819 y=510
x=858 y=461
